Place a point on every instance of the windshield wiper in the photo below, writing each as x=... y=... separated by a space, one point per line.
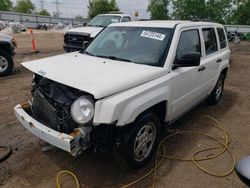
x=114 y=58
x=88 y=53
x=98 y=26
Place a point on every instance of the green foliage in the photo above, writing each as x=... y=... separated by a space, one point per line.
x=219 y=11
x=6 y=5
x=78 y=17
x=25 y=6
x=101 y=7
x=242 y=13
x=209 y=10
x=159 y=9
x=43 y=13
x=189 y=9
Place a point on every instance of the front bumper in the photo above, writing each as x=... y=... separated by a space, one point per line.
x=67 y=142
x=68 y=48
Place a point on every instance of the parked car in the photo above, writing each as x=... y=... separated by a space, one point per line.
x=78 y=38
x=7 y=51
x=234 y=36
x=132 y=80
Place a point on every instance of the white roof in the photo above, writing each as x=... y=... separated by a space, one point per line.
x=163 y=23
x=113 y=15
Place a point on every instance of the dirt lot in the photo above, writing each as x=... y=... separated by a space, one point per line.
x=30 y=167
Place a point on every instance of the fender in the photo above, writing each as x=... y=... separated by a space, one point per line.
x=125 y=107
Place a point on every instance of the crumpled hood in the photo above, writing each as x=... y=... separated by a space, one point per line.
x=97 y=76
x=93 y=31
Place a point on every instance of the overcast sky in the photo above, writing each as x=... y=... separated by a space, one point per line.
x=71 y=8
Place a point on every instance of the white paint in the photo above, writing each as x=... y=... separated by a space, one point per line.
x=97 y=76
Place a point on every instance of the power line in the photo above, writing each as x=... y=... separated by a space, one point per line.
x=42 y=4
x=57 y=3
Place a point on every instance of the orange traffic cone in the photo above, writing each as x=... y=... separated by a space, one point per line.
x=33 y=42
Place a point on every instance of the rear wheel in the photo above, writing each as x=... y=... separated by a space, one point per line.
x=216 y=94
x=140 y=143
x=6 y=63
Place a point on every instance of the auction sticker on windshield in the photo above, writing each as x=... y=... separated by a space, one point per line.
x=153 y=35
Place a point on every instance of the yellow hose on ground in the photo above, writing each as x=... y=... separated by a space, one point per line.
x=66 y=172
x=158 y=162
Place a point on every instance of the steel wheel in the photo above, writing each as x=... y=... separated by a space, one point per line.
x=218 y=90
x=3 y=64
x=216 y=94
x=140 y=142
x=144 y=141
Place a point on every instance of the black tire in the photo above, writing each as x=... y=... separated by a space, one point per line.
x=6 y=63
x=134 y=138
x=217 y=92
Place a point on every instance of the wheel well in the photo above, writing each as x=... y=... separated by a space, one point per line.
x=224 y=72
x=159 y=110
x=5 y=47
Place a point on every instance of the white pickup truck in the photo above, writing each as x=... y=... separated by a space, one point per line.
x=130 y=82
x=77 y=39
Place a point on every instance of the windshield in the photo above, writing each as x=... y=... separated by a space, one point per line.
x=104 y=21
x=142 y=45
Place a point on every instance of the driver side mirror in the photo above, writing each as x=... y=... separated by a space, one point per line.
x=190 y=59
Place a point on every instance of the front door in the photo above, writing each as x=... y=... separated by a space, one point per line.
x=186 y=89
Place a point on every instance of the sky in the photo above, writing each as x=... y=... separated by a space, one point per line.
x=71 y=8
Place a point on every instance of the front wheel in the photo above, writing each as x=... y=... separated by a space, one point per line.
x=6 y=63
x=216 y=94
x=140 y=142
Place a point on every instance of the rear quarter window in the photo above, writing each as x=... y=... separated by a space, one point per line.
x=222 y=38
x=210 y=40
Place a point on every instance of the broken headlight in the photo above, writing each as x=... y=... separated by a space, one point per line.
x=82 y=110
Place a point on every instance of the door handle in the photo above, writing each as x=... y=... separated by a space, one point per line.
x=219 y=60
x=202 y=68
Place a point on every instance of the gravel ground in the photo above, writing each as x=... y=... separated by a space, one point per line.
x=28 y=166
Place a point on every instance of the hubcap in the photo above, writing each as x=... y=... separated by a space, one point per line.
x=3 y=64
x=144 y=141
x=218 y=90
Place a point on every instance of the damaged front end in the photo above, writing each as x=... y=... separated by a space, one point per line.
x=59 y=115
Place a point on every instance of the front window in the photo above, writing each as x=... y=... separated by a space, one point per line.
x=104 y=21
x=142 y=45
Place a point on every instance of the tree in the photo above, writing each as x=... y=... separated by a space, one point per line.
x=158 y=9
x=78 y=17
x=43 y=13
x=209 y=10
x=189 y=9
x=101 y=7
x=25 y=6
x=6 y=5
x=219 y=11
x=241 y=15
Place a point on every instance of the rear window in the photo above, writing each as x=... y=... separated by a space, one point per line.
x=210 y=40
x=222 y=38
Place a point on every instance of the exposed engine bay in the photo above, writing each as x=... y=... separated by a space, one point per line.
x=52 y=105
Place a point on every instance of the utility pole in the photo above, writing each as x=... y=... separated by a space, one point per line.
x=42 y=4
x=57 y=3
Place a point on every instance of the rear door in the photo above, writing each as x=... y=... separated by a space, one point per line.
x=210 y=60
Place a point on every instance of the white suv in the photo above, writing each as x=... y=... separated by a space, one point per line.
x=131 y=80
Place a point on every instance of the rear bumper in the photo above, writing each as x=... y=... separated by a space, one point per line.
x=66 y=142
